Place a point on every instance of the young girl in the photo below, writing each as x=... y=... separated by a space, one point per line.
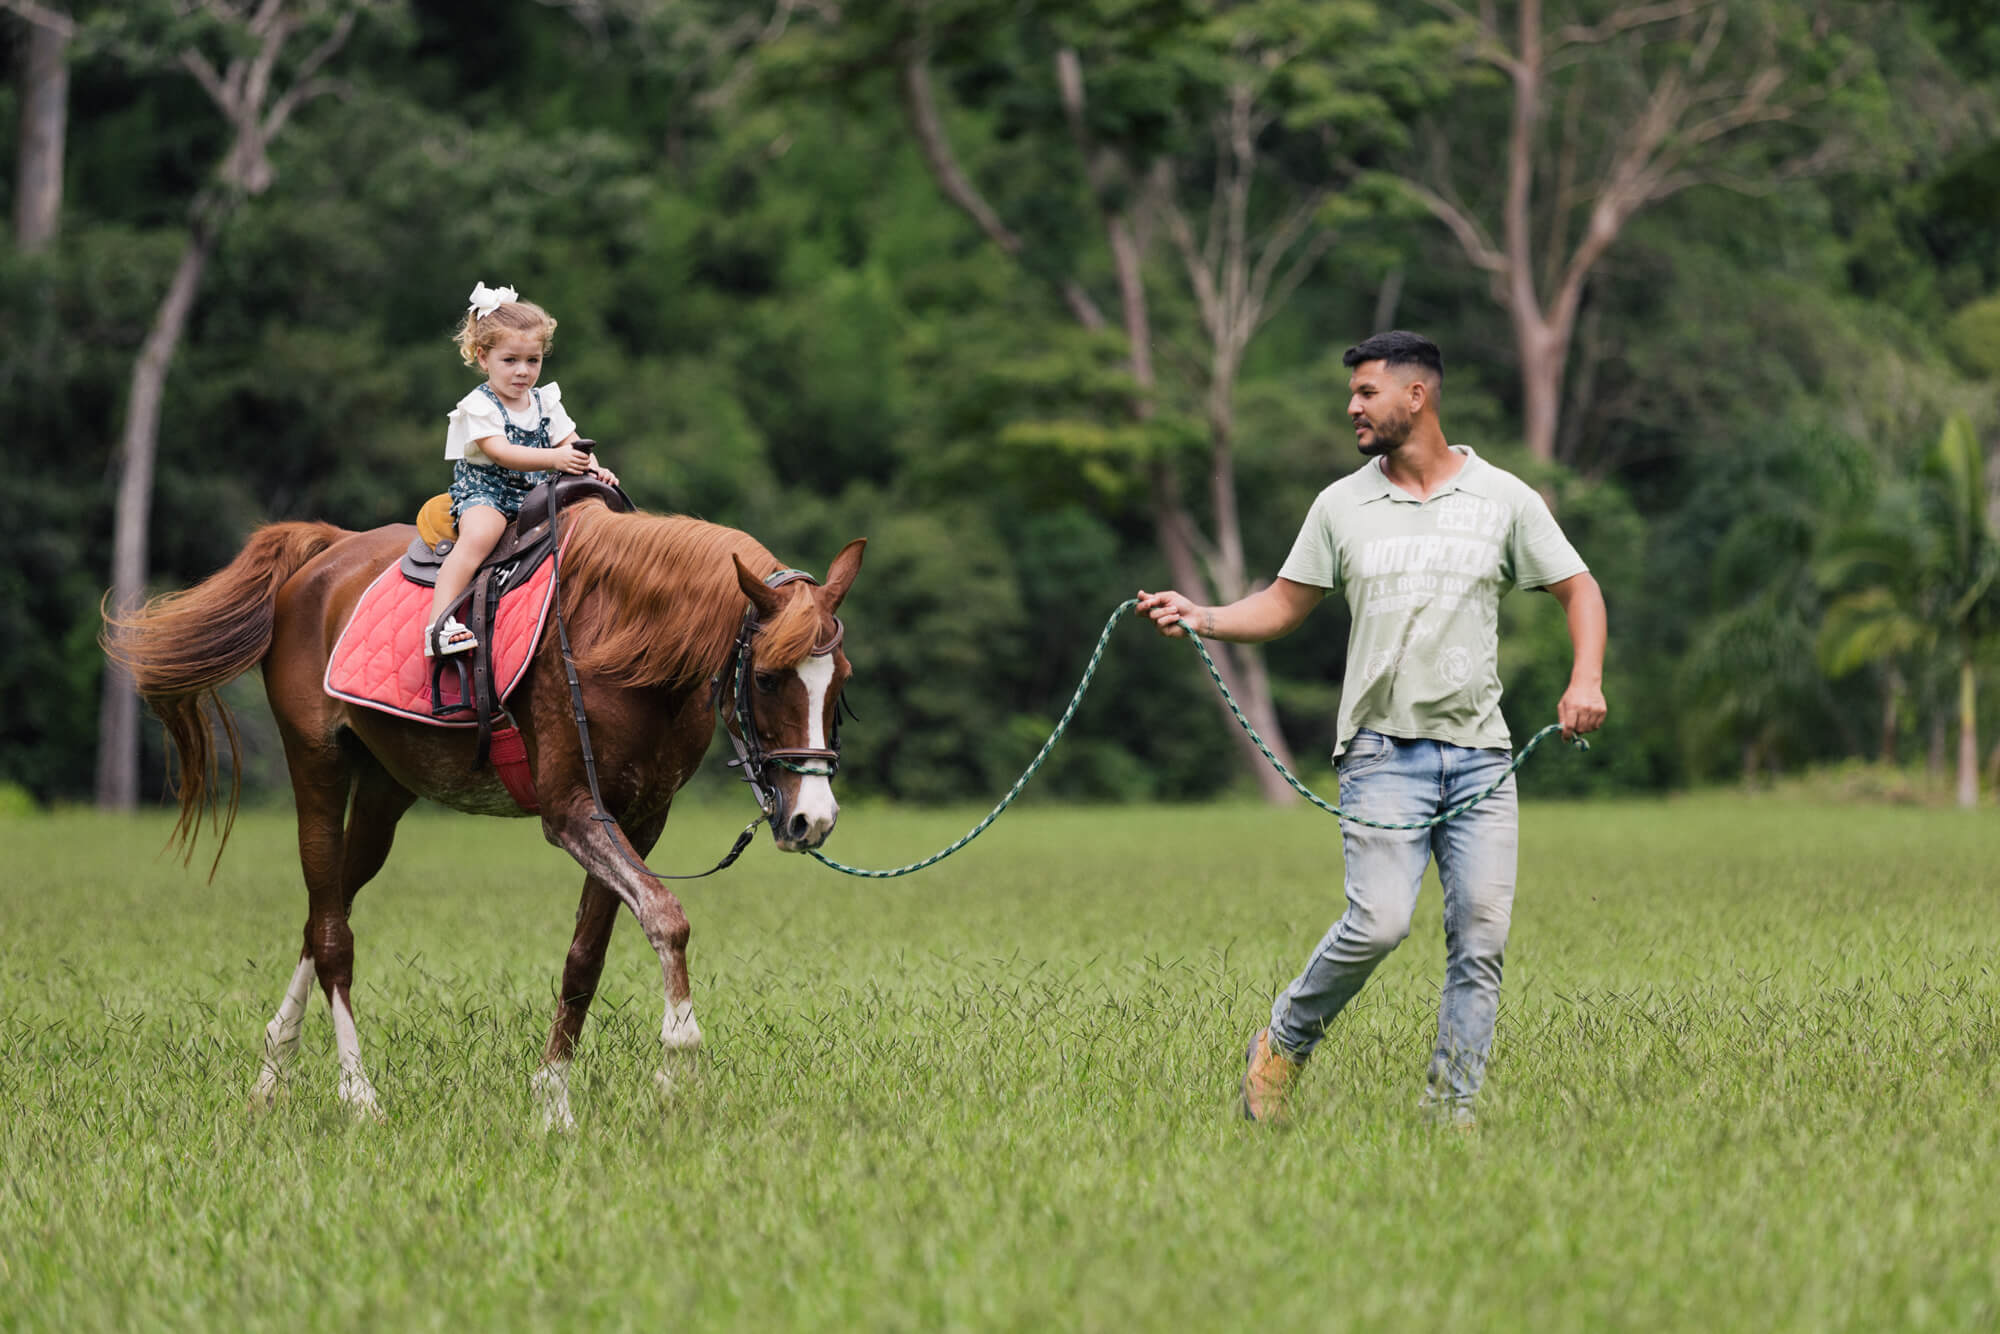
x=507 y=436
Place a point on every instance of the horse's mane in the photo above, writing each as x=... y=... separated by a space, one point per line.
x=652 y=599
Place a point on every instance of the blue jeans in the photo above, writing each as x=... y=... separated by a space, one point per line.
x=1393 y=779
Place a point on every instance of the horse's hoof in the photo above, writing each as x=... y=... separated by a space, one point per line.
x=264 y=1093
x=359 y=1097
x=550 y=1088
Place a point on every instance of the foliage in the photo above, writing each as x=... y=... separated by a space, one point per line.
x=1919 y=579
x=769 y=317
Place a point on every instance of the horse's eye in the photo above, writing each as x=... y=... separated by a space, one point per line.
x=767 y=683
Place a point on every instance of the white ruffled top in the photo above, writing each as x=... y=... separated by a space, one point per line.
x=477 y=417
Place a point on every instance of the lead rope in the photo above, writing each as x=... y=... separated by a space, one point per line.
x=1083 y=686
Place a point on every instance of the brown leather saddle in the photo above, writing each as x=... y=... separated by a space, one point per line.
x=528 y=541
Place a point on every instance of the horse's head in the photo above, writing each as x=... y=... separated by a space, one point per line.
x=783 y=702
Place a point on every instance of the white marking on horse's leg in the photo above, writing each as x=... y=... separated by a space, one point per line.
x=815 y=799
x=355 y=1090
x=679 y=1031
x=650 y=902
x=281 y=1035
x=550 y=1086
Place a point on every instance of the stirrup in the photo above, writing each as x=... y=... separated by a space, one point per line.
x=447 y=637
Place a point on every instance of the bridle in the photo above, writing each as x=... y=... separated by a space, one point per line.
x=751 y=755
x=753 y=758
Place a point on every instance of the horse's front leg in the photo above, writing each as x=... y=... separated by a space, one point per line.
x=596 y=915
x=609 y=856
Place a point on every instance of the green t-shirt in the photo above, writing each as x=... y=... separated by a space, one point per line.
x=1424 y=581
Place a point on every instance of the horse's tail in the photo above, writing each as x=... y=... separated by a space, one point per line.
x=182 y=648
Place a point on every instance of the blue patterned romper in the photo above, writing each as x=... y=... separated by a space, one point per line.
x=489 y=483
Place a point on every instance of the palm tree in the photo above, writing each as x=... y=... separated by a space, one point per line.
x=1750 y=678
x=1921 y=577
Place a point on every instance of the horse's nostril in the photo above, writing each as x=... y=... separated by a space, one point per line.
x=800 y=826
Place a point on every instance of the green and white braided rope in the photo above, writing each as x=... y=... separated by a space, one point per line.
x=1083 y=687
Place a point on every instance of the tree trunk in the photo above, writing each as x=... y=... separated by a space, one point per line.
x=1252 y=684
x=1387 y=298
x=118 y=717
x=1543 y=353
x=1892 y=690
x=1241 y=666
x=1968 y=732
x=38 y=179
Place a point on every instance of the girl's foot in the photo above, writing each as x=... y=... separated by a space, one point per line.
x=447 y=637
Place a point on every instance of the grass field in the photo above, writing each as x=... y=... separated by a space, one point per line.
x=1745 y=1079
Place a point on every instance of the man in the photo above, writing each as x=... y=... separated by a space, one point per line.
x=1424 y=539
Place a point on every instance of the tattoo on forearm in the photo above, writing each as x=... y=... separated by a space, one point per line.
x=1208 y=624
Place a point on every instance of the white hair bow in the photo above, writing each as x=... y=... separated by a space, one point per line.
x=485 y=300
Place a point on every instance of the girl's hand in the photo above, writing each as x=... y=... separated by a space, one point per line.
x=569 y=459
x=602 y=473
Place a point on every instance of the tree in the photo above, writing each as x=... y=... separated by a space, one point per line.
x=1232 y=129
x=1921 y=576
x=237 y=50
x=38 y=176
x=1612 y=108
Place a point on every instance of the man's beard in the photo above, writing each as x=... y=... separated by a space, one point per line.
x=1388 y=435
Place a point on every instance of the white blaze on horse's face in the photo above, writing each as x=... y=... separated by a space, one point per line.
x=813 y=810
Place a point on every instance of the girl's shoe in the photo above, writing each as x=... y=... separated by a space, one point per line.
x=447 y=637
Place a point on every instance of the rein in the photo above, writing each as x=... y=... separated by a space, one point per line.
x=598 y=813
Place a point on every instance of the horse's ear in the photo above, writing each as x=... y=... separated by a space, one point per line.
x=762 y=596
x=840 y=574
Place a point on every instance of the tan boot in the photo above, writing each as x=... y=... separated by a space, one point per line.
x=1267 y=1080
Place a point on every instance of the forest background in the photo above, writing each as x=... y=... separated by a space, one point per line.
x=1048 y=301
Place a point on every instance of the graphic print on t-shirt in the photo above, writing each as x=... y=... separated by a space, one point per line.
x=1423 y=582
x=1434 y=570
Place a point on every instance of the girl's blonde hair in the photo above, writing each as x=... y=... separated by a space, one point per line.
x=477 y=333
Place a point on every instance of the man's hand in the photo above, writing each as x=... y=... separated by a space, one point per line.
x=1580 y=710
x=602 y=473
x=1168 y=609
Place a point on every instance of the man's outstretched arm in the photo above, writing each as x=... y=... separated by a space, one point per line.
x=1268 y=613
x=1581 y=708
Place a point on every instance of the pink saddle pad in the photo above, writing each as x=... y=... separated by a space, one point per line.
x=379 y=660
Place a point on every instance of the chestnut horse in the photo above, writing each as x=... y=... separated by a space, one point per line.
x=661 y=636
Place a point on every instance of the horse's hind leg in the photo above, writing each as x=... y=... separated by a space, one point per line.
x=336 y=863
x=281 y=1035
x=596 y=915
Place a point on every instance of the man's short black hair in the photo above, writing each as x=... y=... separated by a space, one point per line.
x=1398 y=347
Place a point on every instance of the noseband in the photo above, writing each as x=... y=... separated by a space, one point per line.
x=752 y=757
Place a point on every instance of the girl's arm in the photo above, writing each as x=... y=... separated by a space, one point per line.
x=565 y=457
x=592 y=466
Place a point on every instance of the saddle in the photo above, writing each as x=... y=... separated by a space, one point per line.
x=528 y=541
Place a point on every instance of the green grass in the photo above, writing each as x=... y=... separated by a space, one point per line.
x=1745 y=1078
